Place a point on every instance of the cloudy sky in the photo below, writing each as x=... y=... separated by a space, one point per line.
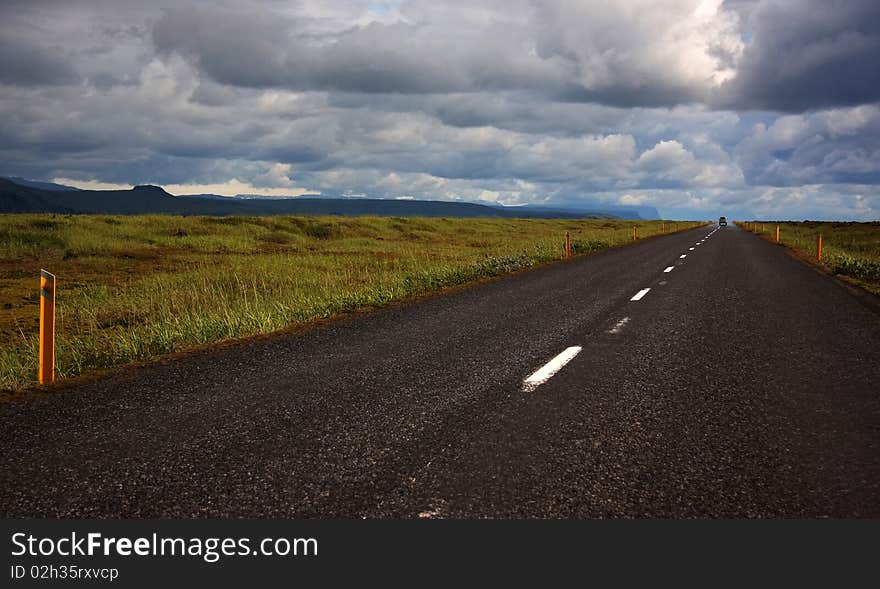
x=750 y=108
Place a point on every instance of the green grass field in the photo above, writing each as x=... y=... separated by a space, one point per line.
x=131 y=288
x=850 y=250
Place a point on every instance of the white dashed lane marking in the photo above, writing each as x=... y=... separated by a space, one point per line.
x=544 y=373
x=619 y=325
x=669 y=269
x=638 y=296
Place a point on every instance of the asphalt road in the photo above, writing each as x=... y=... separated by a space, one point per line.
x=742 y=384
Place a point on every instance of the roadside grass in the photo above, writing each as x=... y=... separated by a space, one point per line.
x=134 y=287
x=850 y=250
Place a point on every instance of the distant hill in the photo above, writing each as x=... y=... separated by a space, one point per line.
x=40 y=185
x=16 y=197
x=603 y=210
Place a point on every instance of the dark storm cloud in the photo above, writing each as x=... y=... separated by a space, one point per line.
x=262 y=50
x=553 y=48
x=807 y=55
x=798 y=55
x=24 y=63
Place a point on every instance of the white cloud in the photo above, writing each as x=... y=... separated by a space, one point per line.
x=229 y=188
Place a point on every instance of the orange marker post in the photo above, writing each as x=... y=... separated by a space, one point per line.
x=635 y=235
x=819 y=248
x=567 y=244
x=777 y=234
x=47 y=327
x=664 y=228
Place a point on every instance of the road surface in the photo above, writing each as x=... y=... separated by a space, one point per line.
x=701 y=374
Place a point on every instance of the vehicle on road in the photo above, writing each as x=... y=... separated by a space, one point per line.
x=722 y=221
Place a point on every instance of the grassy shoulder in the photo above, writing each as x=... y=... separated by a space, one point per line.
x=132 y=288
x=849 y=250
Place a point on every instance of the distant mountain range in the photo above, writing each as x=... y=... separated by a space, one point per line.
x=26 y=196
x=39 y=185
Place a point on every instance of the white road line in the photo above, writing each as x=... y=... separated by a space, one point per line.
x=670 y=269
x=544 y=374
x=640 y=294
x=691 y=249
x=619 y=325
x=683 y=256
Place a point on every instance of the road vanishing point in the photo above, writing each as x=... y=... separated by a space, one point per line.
x=704 y=374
